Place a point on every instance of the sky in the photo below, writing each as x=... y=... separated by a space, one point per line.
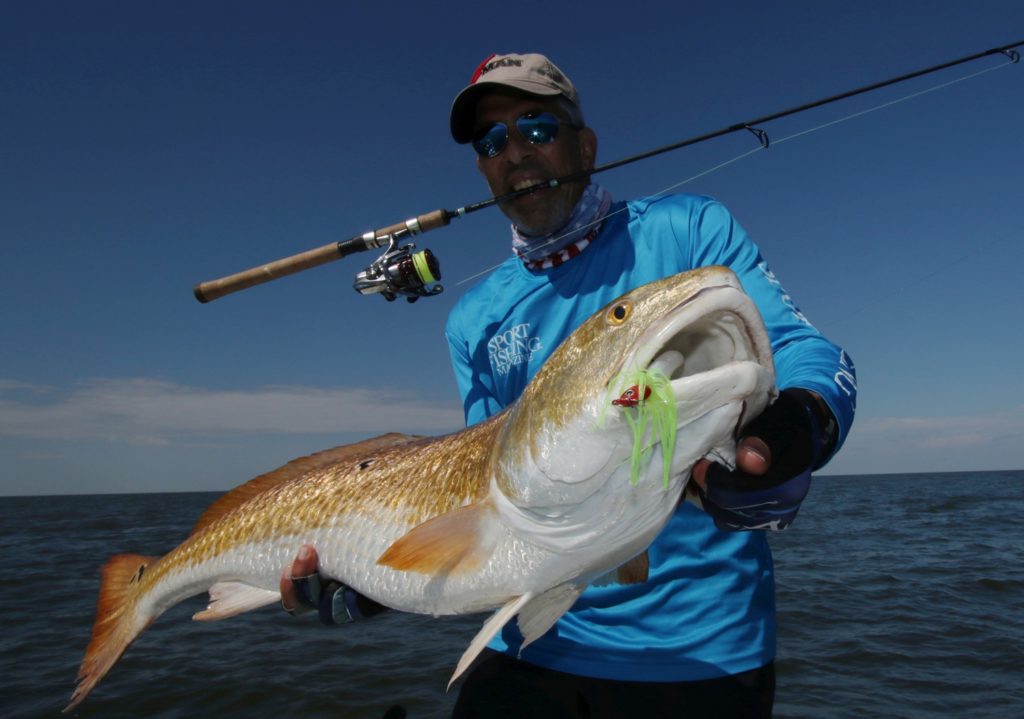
x=145 y=147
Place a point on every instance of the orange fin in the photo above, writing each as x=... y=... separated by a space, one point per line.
x=632 y=572
x=230 y=598
x=691 y=495
x=358 y=452
x=452 y=543
x=117 y=621
x=635 y=570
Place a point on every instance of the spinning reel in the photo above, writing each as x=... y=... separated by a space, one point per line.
x=401 y=271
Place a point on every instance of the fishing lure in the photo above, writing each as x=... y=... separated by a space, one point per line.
x=645 y=398
x=631 y=397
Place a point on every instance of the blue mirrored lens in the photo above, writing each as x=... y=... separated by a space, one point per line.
x=492 y=140
x=537 y=129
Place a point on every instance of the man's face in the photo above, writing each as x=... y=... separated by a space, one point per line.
x=521 y=164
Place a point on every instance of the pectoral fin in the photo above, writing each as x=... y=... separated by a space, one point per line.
x=452 y=543
x=230 y=598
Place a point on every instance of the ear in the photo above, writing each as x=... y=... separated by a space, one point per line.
x=588 y=147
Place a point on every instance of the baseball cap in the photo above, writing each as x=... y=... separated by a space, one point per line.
x=530 y=73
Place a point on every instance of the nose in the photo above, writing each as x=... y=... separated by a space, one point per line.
x=517 y=148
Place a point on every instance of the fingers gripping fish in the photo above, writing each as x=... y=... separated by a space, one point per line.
x=518 y=513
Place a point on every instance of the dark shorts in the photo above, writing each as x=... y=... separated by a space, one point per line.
x=500 y=686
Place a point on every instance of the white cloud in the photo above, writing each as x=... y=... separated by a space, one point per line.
x=992 y=440
x=947 y=430
x=144 y=412
x=148 y=411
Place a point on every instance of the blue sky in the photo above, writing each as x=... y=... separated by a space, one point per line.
x=148 y=146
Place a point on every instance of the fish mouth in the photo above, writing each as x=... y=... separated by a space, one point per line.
x=712 y=339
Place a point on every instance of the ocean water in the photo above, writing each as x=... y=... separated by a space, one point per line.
x=899 y=596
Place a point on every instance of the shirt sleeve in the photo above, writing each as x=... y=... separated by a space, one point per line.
x=804 y=357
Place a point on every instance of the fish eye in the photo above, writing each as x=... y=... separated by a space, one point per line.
x=619 y=313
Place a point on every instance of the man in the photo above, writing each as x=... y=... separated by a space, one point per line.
x=698 y=638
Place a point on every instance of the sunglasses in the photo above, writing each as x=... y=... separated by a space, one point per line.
x=537 y=128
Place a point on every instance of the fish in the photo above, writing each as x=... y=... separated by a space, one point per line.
x=518 y=513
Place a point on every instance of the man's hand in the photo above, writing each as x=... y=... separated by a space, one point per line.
x=305 y=564
x=774 y=459
x=302 y=589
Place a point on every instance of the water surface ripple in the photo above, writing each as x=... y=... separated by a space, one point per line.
x=899 y=596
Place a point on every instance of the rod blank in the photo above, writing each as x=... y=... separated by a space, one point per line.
x=211 y=290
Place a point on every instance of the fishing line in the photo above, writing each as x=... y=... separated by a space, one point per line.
x=897 y=101
x=958 y=261
x=587 y=226
x=763 y=146
x=400 y=271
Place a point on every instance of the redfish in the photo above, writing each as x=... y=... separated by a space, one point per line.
x=519 y=513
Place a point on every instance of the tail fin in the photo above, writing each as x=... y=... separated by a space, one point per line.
x=117 y=622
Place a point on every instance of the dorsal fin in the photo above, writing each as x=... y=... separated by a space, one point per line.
x=357 y=452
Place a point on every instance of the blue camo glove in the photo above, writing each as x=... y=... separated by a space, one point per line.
x=799 y=435
x=334 y=602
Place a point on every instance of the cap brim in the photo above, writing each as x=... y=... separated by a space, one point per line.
x=463 y=114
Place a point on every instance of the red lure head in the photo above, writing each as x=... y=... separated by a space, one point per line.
x=631 y=397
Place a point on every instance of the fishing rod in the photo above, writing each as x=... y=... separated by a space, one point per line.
x=401 y=270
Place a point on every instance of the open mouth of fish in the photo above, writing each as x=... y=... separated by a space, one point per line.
x=710 y=343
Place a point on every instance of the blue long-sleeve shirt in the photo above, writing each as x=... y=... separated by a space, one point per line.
x=707 y=608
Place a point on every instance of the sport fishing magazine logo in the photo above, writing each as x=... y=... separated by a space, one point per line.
x=512 y=347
